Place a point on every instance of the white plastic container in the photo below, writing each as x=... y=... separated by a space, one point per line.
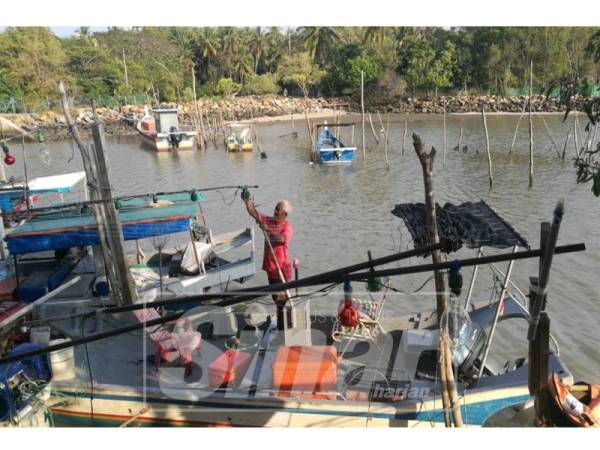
x=40 y=335
x=63 y=362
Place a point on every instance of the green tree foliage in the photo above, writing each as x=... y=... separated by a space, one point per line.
x=426 y=67
x=300 y=71
x=159 y=60
x=261 y=85
x=228 y=87
x=32 y=61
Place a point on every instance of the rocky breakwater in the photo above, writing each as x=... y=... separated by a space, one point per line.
x=121 y=120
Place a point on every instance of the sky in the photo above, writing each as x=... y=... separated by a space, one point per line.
x=64 y=16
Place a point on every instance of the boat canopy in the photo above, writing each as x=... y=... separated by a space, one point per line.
x=471 y=224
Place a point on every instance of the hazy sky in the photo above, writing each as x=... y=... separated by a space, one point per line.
x=67 y=31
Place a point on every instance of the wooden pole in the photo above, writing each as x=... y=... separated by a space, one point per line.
x=362 y=109
x=444 y=383
x=386 y=136
x=127 y=294
x=432 y=234
x=566 y=142
x=196 y=110
x=460 y=133
x=530 y=125
x=444 y=114
x=93 y=187
x=404 y=135
x=426 y=161
x=310 y=137
x=487 y=145
x=512 y=145
x=373 y=129
x=549 y=135
x=451 y=385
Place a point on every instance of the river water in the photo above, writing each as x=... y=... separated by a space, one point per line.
x=341 y=212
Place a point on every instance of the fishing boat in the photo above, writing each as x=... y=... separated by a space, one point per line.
x=159 y=128
x=199 y=266
x=245 y=368
x=329 y=149
x=239 y=138
x=13 y=194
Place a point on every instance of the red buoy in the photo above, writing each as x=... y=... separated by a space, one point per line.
x=9 y=159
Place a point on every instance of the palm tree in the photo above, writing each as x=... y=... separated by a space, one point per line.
x=258 y=45
x=318 y=41
x=374 y=35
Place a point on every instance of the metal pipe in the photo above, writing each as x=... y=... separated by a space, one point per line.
x=488 y=342
x=472 y=284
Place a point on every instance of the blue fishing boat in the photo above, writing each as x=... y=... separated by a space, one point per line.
x=12 y=194
x=76 y=226
x=329 y=149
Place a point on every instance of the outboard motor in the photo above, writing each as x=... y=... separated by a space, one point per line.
x=175 y=137
x=467 y=339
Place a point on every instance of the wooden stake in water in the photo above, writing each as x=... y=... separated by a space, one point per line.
x=373 y=129
x=444 y=159
x=362 y=109
x=549 y=135
x=512 y=145
x=404 y=135
x=487 y=145
x=530 y=124
x=386 y=136
x=566 y=142
x=460 y=132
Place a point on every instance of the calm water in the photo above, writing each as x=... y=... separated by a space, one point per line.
x=341 y=212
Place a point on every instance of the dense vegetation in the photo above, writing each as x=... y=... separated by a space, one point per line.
x=158 y=61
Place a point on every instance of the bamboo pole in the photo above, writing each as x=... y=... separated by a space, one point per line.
x=444 y=159
x=549 y=135
x=451 y=385
x=310 y=137
x=530 y=125
x=487 y=144
x=373 y=129
x=380 y=121
x=444 y=383
x=512 y=145
x=460 y=133
x=362 y=109
x=566 y=142
x=387 y=140
x=404 y=136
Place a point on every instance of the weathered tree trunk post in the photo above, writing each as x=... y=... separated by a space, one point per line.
x=487 y=145
x=92 y=184
x=128 y=293
x=362 y=109
x=447 y=377
x=530 y=124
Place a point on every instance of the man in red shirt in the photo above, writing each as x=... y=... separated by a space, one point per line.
x=279 y=232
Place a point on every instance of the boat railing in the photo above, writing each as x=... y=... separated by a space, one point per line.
x=520 y=299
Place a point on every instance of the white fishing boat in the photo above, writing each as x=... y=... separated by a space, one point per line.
x=229 y=362
x=160 y=129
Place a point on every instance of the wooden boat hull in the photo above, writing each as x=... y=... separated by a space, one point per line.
x=574 y=405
